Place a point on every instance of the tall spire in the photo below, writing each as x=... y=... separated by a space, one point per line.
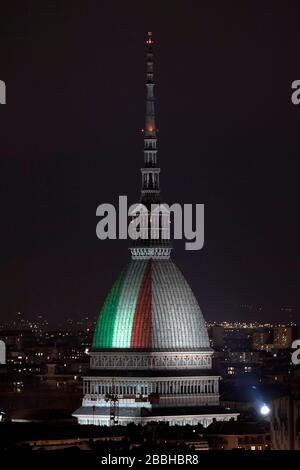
x=150 y=130
x=150 y=172
x=155 y=225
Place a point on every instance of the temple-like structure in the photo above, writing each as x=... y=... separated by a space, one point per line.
x=151 y=358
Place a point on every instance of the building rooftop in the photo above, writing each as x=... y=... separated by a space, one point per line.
x=237 y=428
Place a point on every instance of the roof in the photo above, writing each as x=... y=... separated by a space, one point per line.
x=237 y=428
x=39 y=431
x=151 y=306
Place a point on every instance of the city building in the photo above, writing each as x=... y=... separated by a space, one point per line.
x=262 y=340
x=282 y=337
x=217 y=336
x=2 y=352
x=238 y=435
x=285 y=423
x=151 y=358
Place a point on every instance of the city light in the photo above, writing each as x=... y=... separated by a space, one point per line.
x=265 y=410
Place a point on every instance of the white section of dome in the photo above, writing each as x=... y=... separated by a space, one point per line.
x=177 y=321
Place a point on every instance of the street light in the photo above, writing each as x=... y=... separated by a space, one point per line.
x=265 y=410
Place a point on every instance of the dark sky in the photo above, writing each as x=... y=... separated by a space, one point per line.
x=70 y=140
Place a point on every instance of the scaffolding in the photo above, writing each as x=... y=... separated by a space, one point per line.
x=113 y=400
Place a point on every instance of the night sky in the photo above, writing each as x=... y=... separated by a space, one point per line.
x=70 y=139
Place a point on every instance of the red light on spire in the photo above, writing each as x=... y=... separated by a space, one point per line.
x=149 y=40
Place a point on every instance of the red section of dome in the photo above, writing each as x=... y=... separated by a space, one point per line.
x=141 y=327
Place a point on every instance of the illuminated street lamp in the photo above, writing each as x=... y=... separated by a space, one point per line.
x=265 y=410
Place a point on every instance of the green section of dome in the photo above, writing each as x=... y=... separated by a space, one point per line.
x=130 y=292
x=103 y=336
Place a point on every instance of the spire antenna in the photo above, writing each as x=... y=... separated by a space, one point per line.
x=155 y=225
x=150 y=113
x=150 y=172
x=149 y=38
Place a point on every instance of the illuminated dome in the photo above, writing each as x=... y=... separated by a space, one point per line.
x=151 y=306
x=150 y=359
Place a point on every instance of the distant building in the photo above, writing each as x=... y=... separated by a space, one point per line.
x=238 y=435
x=244 y=357
x=241 y=362
x=217 y=336
x=2 y=352
x=285 y=423
x=238 y=339
x=16 y=339
x=261 y=339
x=282 y=337
x=56 y=376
